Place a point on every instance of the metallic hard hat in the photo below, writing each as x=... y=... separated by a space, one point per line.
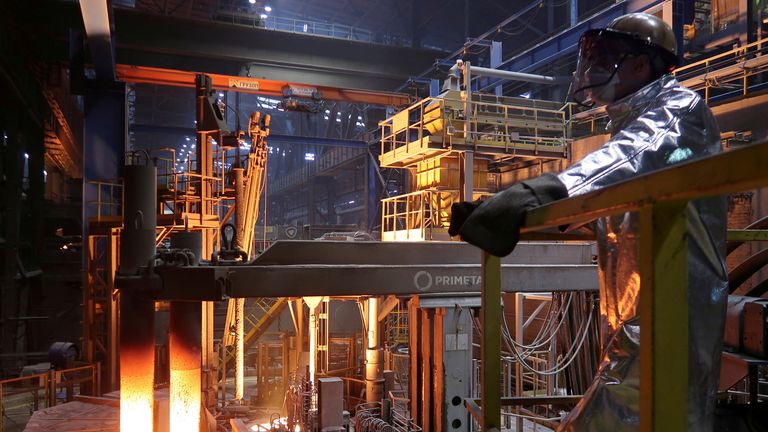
x=649 y=30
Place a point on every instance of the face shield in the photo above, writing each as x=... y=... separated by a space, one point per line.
x=601 y=54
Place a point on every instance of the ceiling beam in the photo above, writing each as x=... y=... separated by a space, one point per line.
x=167 y=42
x=97 y=18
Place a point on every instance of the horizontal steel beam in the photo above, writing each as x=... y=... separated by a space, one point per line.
x=273 y=139
x=217 y=47
x=565 y=42
x=301 y=252
x=747 y=235
x=538 y=400
x=202 y=283
x=178 y=78
x=517 y=76
x=328 y=268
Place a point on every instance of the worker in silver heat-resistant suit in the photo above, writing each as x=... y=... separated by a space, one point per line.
x=654 y=123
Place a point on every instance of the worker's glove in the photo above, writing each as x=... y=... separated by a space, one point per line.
x=494 y=225
x=459 y=214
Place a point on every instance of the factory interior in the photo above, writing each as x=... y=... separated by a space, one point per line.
x=233 y=215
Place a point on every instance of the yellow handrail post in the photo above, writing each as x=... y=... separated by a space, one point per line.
x=664 y=317
x=490 y=311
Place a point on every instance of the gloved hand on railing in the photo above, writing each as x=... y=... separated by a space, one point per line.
x=494 y=225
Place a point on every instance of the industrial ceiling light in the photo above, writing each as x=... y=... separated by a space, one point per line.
x=264 y=16
x=268 y=8
x=252 y=1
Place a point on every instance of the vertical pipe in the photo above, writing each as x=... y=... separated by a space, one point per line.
x=374 y=375
x=300 y=334
x=185 y=347
x=574 y=12
x=312 y=343
x=239 y=243
x=240 y=209
x=312 y=302
x=519 y=323
x=239 y=346
x=137 y=312
x=468 y=155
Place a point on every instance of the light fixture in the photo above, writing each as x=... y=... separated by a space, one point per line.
x=263 y=16
x=268 y=8
x=252 y=1
x=221 y=95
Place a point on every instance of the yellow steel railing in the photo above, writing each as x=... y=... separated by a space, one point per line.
x=109 y=198
x=414 y=215
x=719 y=70
x=661 y=199
x=500 y=125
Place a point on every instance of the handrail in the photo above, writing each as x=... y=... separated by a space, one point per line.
x=661 y=198
x=48 y=383
x=736 y=51
x=659 y=187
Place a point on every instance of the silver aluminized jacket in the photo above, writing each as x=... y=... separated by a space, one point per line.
x=660 y=125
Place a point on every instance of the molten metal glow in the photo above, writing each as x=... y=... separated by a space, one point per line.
x=185 y=400
x=186 y=385
x=137 y=380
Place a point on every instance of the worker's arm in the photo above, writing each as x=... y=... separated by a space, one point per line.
x=658 y=138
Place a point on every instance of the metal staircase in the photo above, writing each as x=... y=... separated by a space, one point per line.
x=260 y=313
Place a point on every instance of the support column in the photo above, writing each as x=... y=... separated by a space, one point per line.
x=574 y=12
x=104 y=135
x=468 y=167
x=11 y=169
x=490 y=316
x=457 y=374
x=496 y=60
x=425 y=358
x=374 y=375
x=313 y=303
x=438 y=375
x=413 y=357
x=519 y=324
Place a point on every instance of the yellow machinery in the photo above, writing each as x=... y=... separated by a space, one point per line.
x=433 y=138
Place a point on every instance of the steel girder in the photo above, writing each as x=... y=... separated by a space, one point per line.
x=168 y=42
x=303 y=268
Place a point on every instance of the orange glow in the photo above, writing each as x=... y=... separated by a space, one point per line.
x=185 y=388
x=137 y=380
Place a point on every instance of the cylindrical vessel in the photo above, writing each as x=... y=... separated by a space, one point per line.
x=137 y=310
x=186 y=348
x=185 y=363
